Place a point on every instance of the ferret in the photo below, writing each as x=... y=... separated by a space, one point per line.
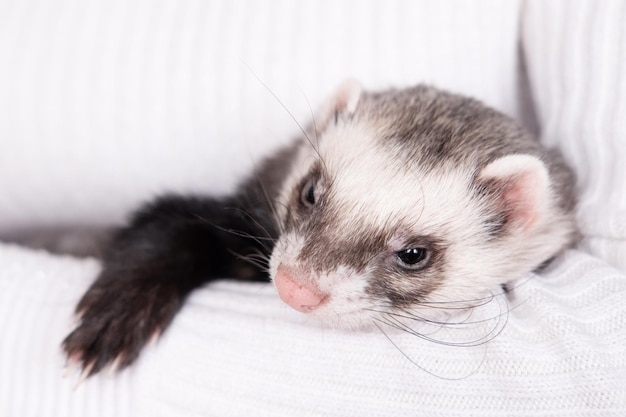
x=388 y=201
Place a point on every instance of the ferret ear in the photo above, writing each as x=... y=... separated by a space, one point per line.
x=343 y=102
x=518 y=187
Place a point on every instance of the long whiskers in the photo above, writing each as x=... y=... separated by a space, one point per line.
x=472 y=372
x=304 y=133
x=258 y=224
x=401 y=321
x=315 y=145
x=463 y=304
x=420 y=325
x=258 y=260
x=271 y=205
x=262 y=241
x=396 y=322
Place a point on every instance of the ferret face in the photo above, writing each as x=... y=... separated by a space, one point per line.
x=369 y=228
x=361 y=236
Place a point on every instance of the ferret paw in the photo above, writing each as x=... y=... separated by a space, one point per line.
x=115 y=323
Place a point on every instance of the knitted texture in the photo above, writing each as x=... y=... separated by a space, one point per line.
x=576 y=57
x=108 y=102
x=236 y=350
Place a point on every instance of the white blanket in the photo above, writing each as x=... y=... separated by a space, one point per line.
x=236 y=350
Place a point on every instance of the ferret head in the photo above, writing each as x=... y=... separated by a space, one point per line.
x=405 y=198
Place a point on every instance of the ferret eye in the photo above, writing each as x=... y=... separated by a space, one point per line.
x=308 y=194
x=413 y=258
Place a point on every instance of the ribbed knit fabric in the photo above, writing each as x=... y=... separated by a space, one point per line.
x=37 y=292
x=107 y=102
x=576 y=58
x=236 y=350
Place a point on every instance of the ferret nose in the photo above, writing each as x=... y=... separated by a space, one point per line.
x=304 y=298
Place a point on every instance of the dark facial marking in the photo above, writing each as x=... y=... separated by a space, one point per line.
x=307 y=196
x=389 y=278
x=326 y=249
x=303 y=198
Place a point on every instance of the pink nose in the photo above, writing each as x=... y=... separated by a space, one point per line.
x=301 y=297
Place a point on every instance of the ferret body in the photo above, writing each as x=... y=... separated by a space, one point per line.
x=390 y=201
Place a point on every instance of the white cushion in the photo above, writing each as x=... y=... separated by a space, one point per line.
x=576 y=56
x=108 y=102
x=556 y=347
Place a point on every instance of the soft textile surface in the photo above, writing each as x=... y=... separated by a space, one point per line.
x=236 y=350
x=107 y=102
x=576 y=57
